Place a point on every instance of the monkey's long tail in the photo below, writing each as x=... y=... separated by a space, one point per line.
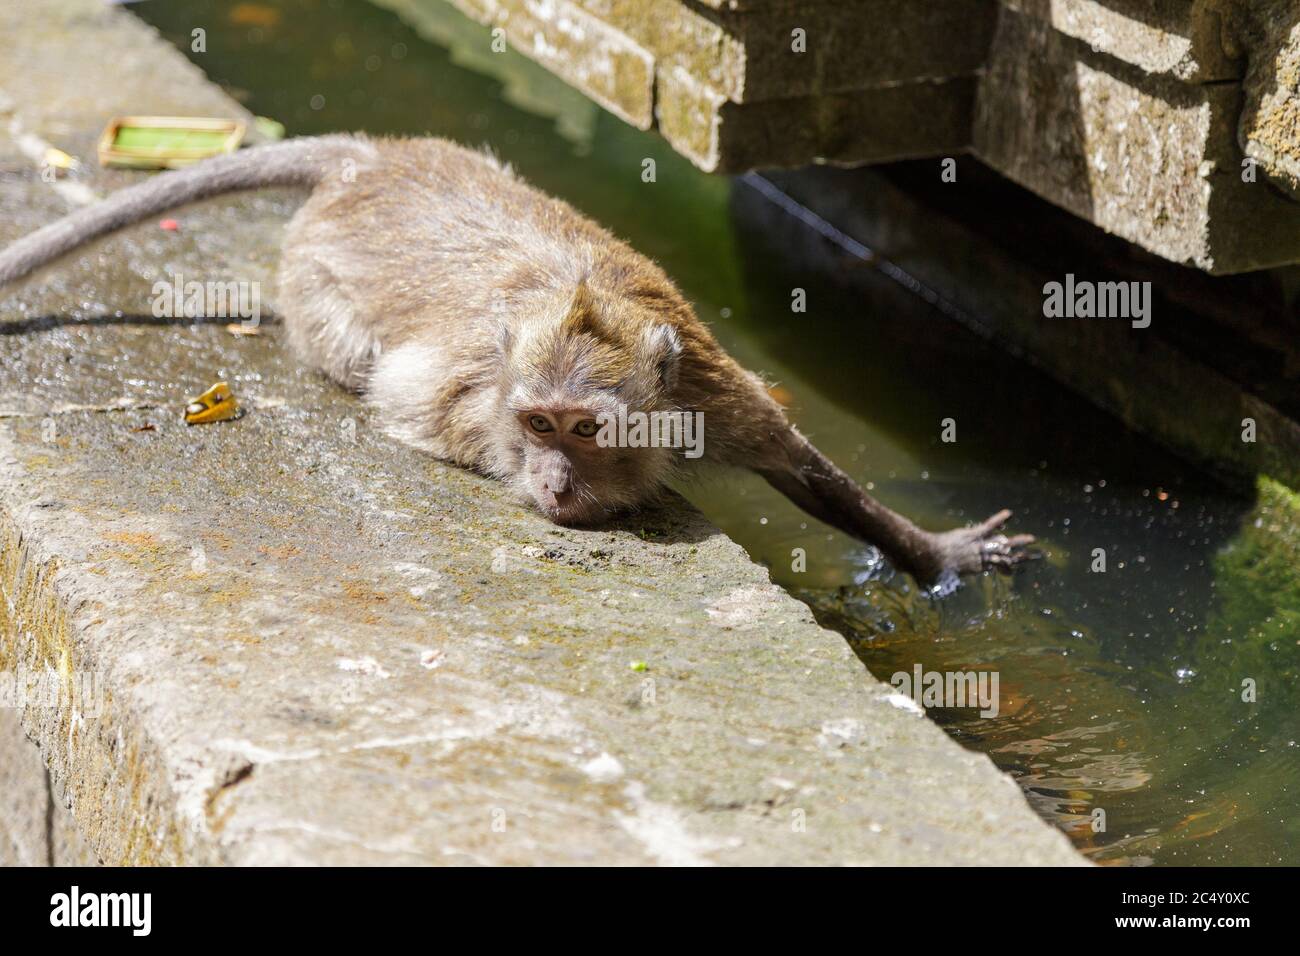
x=295 y=162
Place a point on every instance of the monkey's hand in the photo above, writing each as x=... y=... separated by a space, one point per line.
x=979 y=547
x=937 y=559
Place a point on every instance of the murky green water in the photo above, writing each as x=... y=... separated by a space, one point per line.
x=1120 y=691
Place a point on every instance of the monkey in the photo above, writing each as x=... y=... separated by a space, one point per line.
x=494 y=327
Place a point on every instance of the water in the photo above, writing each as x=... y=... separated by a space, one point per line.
x=1121 y=692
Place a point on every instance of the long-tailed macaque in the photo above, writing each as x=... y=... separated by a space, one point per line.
x=494 y=327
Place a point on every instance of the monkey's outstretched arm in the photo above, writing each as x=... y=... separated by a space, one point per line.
x=813 y=482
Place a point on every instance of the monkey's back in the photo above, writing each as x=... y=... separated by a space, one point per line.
x=421 y=236
x=422 y=241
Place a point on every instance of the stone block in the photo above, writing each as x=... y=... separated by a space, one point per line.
x=1270 y=121
x=1190 y=40
x=751 y=56
x=24 y=797
x=1147 y=157
x=595 y=56
x=897 y=122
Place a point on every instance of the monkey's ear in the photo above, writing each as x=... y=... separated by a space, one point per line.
x=664 y=349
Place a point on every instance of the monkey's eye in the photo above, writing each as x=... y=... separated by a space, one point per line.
x=585 y=428
x=539 y=424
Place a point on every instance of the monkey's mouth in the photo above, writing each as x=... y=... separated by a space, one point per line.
x=571 y=514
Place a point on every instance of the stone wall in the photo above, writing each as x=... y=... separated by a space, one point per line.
x=1134 y=114
x=1172 y=123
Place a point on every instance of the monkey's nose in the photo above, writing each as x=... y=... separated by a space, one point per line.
x=557 y=499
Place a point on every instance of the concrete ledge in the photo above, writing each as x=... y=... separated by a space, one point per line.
x=369 y=691
x=286 y=639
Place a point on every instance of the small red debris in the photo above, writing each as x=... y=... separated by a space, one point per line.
x=171 y=225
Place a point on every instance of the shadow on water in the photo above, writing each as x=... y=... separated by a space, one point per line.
x=1120 y=691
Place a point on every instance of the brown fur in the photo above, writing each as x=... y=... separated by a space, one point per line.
x=465 y=304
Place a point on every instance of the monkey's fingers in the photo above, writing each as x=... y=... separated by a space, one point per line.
x=1005 y=553
x=992 y=524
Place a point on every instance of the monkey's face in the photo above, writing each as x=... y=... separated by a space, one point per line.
x=574 y=473
x=571 y=371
